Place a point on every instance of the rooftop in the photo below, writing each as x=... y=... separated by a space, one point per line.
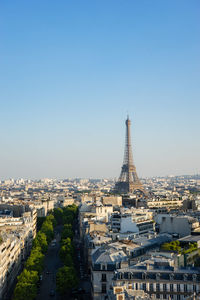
x=107 y=254
x=190 y=238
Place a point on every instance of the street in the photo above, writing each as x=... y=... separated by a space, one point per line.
x=47 y=288
x=84 y=279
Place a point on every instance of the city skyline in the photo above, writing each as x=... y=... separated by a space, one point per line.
x=69 y=72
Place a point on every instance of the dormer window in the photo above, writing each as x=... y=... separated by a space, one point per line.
x=144 y=275
x=171 y=276
x=185 y=276
x=194 y=277
x=103 y=267
x=118 y=265
x=158 y=276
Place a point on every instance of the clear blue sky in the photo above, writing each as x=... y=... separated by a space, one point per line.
x=70 y=71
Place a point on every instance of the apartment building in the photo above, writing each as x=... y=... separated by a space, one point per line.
x=130 y=221
x=182 y=225
x=17 y=231
x=105 y=261
x=159 y=280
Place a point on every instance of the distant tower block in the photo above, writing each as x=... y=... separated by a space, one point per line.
x=128 y=180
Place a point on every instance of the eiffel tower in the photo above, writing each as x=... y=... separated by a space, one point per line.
x=128 y=179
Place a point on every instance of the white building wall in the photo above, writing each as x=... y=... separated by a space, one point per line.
x=97 y=283
x=104 y=212
x=128 y=225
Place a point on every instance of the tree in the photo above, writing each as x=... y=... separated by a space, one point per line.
x=58 y=214
x=66 y=256
x=68 y=260
x=68 y=244
x=26 y=287
x=28 y=277
x=73 y=209
x=35 y=261
x=41 y=242
x=67 y=231
x=66 y=279
x=51 y=219
x=25 y=291
x=47 y=229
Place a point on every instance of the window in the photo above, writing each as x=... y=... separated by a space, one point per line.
x=172 y=296
x=185 y=277
x=194 y=277
x=118 y=265
x=103 y=267
x=158 y=296
x=194 y=288
x=178 y=288
x=103 y=288
x=178 y=297
x=164 y=296
x=144 y=287
x=151 y=287
x=171 y=288
x=103 y=277
x=136 y=286
x=164 y=287
x=157 y=287
x=185 y=287
x=158 y=276
x=171 y=276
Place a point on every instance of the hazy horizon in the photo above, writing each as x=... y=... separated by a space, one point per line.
x=71 y=71
x=96 y=178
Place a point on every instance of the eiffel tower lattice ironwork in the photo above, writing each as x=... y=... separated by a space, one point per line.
x=128 y=180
